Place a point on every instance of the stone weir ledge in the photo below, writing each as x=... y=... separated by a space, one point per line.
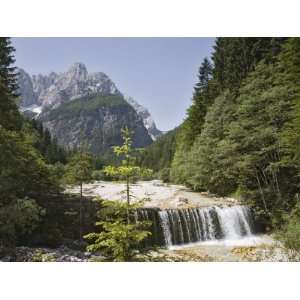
x=159 y=194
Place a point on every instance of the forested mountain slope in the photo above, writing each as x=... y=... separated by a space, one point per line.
x=95 y=121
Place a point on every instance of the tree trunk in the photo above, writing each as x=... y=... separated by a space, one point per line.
x=128 y=198
x=80 y=214
x=262 y=193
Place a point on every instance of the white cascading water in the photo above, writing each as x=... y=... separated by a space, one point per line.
x=234 y=221
x=165 y=223
x=183 y=226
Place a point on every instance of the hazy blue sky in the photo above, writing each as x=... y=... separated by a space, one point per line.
x=157 y=72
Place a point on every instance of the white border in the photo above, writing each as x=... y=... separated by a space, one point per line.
x=145 y=281
x=150 y=18
x=157 y=280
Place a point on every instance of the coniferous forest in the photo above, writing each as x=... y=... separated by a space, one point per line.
x=240 y=139
x=241 y=133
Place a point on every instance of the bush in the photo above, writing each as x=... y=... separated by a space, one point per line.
x=99 y=175
x=17 y=220
x=289 y=234
x=164 y=175
x=118 y=239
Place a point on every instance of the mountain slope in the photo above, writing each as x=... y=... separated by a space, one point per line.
x=146 y=117
x=95 y=120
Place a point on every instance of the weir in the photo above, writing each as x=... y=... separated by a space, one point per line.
x=189 y=225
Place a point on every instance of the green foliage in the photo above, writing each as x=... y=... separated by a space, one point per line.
x=41 y=256
x=9 y=116
x=84 y=106
x=100 y=175
x=79 y=169
x=234 y=58
x=202 y=99
x=127 y=170
x=46 y=145
x=24 y=175
x=23 y=171
x=118 y=239
x=289 y=233
x=160 y=153
x=164 y=174
x=7 y=71
x=205 y=166
x=246 y=139
x=18 y=218
x=57 y=171
x=121 y=234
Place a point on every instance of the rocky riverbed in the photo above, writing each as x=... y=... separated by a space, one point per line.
x=61 y=254
x=254 y=249
x=251 y=249
x=159 y=194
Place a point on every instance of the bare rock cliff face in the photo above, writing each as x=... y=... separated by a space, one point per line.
x=146 y=117
x=26 y=89
x=97 y=122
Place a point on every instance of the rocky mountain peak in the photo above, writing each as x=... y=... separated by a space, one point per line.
x=26 y=88
x=50 y=91
x=77 y=71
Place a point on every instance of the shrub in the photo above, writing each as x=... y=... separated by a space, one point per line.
x=118 y=239
x=289 y=234
x=164 y=175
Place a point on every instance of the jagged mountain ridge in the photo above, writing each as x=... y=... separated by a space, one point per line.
x=41 y=92
x=146 y=117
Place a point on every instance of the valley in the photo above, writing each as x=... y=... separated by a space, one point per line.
x=85 y=172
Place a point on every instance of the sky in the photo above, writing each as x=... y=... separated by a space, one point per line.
x=159 y=73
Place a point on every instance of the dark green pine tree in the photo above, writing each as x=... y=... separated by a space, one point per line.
x=235 y=57
x=290 y=64
x=7 y=71
x=25 y=179
x=201 y=101
x=9 y=115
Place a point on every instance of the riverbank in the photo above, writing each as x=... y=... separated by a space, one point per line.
x=249 y=249
x=261 y=248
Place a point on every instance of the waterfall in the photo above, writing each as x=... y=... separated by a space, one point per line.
x=189 y=225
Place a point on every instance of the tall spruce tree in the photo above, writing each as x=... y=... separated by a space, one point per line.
x=9 y=115
x=201 y=101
